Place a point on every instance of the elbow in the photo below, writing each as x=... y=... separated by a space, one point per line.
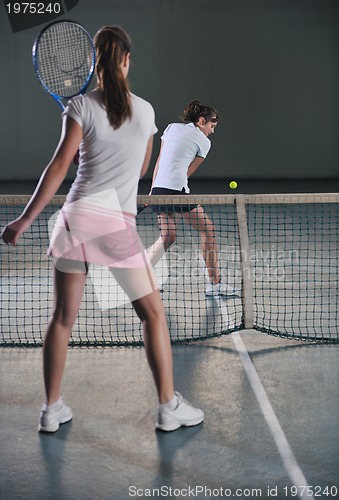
x=59 y=170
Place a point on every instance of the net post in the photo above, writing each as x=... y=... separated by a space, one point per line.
x=247 y=287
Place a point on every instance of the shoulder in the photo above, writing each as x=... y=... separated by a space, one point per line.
x=175 y=128
x=74 y=109
x=76 y=102
x=92 y=95
x=143 y=113
x=197 y=132
x=200 y=136
x=83 y=108
x=140 y=103
x=80 y=101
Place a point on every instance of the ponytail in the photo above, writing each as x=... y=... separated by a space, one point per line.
x=194 y=110
x=112 y=43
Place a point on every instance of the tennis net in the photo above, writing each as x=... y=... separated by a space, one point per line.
x=280 y=250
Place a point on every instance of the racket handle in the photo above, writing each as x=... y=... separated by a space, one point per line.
x=140 y=209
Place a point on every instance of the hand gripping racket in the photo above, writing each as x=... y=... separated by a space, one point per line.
x=64 y=59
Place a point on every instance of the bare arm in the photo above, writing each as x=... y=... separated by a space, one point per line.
x=191 y=169
x=194 y=165
x=50 y=180
x=147 y=158
x=156 y=168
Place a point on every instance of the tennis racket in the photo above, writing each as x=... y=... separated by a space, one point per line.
x=141 y=208
x=64 y=59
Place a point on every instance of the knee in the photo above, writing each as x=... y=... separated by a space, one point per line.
x=208 y=231
x=150 y=316
x=149 y=311
x=64 y=317
x=169 y=238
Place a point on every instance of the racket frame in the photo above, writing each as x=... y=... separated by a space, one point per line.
x=56 y=97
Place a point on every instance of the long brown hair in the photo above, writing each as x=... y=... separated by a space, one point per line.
x=112 y=43
x=194 y=110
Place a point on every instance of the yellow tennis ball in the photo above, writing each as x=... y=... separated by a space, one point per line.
x=233 y=184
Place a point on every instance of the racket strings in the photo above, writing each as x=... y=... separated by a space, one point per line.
x=65 y=56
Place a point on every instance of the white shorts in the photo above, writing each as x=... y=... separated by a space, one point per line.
x=109 y=239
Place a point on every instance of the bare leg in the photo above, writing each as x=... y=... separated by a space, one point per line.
x=68 y=292
x=198 y=219
x=149 y=307
x=167 y=225
x=176 y=412
x=157 y=343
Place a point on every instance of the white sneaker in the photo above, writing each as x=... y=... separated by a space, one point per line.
x=220 y=289
x=183 y=415
x=52 y=416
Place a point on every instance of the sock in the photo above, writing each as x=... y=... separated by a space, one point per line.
x=171 y=404
x=55 y=406
x=216 y=284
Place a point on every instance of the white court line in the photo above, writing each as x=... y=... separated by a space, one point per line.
x=291 y=466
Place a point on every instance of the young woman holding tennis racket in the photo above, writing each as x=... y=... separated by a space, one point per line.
x=113 y=130
x=184 y=146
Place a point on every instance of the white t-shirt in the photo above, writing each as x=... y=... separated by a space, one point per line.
x=181 y=143
x=110 y=159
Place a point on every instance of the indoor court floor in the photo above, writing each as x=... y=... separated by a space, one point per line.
x=271 y=422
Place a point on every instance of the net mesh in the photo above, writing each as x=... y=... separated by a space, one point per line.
x=282 y=252
x=295 y=274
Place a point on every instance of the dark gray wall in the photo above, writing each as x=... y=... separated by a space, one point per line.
x=270 y=67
